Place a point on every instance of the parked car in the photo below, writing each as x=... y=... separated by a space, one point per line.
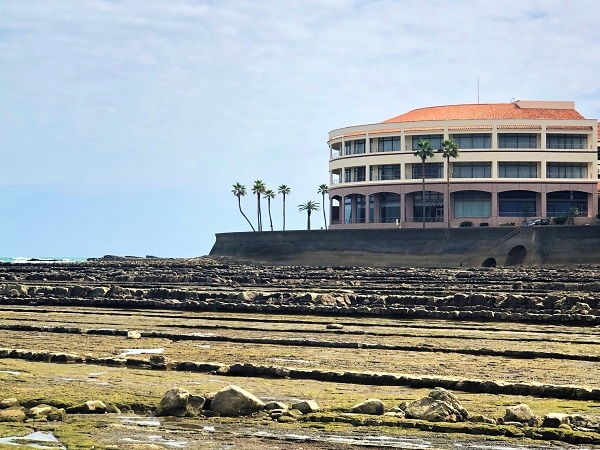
x=533 y=222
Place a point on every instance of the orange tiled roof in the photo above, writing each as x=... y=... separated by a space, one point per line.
x=391 y=130
x=484 y=111
x=519 y=127
x=357 y=133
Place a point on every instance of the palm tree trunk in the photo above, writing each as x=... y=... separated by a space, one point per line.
x=447 y=203
x=283 y=212
x=423 y=194
x=324 y=216
x=247 y=220
x=259 y=212
x=308 y=220
x=270 y=219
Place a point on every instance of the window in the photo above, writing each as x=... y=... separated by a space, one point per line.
x=472 y=170
x=517 y=204
x=360 y=209
x=434 y=139
x=354 y=174
x=359 y=146
x=359 y=174
x=517 y=140
x=434 y=207
x=466 y=141
x=472 y=204
x=432 y=170
x=388 y=144
x=566 y=141
x=566 y=170
x=559 y=203
x=389 y=207
x=348 y=209
x=348 y=148
x=517 y=170
x=387 y=172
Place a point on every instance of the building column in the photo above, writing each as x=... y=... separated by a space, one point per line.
x=543 y=212
x=495 y=213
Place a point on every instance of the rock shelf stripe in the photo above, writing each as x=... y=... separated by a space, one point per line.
x=517 y=354
x=351 y=377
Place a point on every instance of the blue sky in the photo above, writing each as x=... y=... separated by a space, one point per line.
x=123 y=124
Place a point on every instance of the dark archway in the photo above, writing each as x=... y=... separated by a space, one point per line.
x=490 y=262
x=516 y=256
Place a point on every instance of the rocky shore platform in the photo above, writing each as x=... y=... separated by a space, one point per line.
x=91 y=353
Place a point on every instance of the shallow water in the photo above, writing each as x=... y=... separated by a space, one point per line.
x=37 y=439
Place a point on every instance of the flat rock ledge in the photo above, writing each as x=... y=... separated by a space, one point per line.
x=353 y=377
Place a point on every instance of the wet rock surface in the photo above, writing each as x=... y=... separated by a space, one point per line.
x=356 y=341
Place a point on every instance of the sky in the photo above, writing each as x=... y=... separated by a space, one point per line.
x=125 y=123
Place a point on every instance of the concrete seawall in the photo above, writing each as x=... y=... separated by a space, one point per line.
x=434 y=247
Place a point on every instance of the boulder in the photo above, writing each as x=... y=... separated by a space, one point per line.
x=134 y=334
x=179 y=402
x=439 y=406
x=554 y=420
x=520 y=413
x=372 y=406
x=306 y=406
x=94 y=406
x=275 y=405
x=9 y=403
x=234 y=401
x=12 y=415
x=39 y=411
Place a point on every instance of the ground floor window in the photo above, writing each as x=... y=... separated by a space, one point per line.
x=559 y=203
x=517 y=204
x=472 y=204
x=429 y=208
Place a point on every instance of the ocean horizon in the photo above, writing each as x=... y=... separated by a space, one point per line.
x=40 y=259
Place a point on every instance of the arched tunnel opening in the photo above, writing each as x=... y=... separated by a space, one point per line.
x=489 y=262
x=516 y=256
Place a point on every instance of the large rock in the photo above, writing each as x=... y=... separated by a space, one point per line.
x=439 y=406
x=12 y=415
x=9 y=403
x=306 y=406
x=234 y=401
x=554 y=420
x=179 y=402
x=520 y=413
x=372 y=406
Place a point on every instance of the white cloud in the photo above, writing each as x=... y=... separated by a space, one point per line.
x=197 y=95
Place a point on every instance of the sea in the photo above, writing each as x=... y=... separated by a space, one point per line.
x=40 y=260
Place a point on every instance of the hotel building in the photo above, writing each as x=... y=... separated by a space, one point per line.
x=516 y=160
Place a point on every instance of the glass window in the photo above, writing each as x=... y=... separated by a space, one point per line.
x=517 y=204
x=389 y=144
x=432 y=170
x=472 y=204
x=348 y=148
x=566 y=170
x=359 y=146
x=517 y=170
x=517 y=140
x=473 y=140
x=566 y=141
x=472 y=170
x=348 y=209
x=347 y=175
x=371 y=208
x=389 y=207
x=360 y=209
x=559 y=203
x=434 y=139
x=359 y=174
x=434 y=207
x=389 y=172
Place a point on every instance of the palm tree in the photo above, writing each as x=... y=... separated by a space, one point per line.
x=449 y=150
x=309 y=207
x=269 y=194
x=424 y=151
x=324 y=189
x=258 y=189
x=283 y=190
x=239 y=190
